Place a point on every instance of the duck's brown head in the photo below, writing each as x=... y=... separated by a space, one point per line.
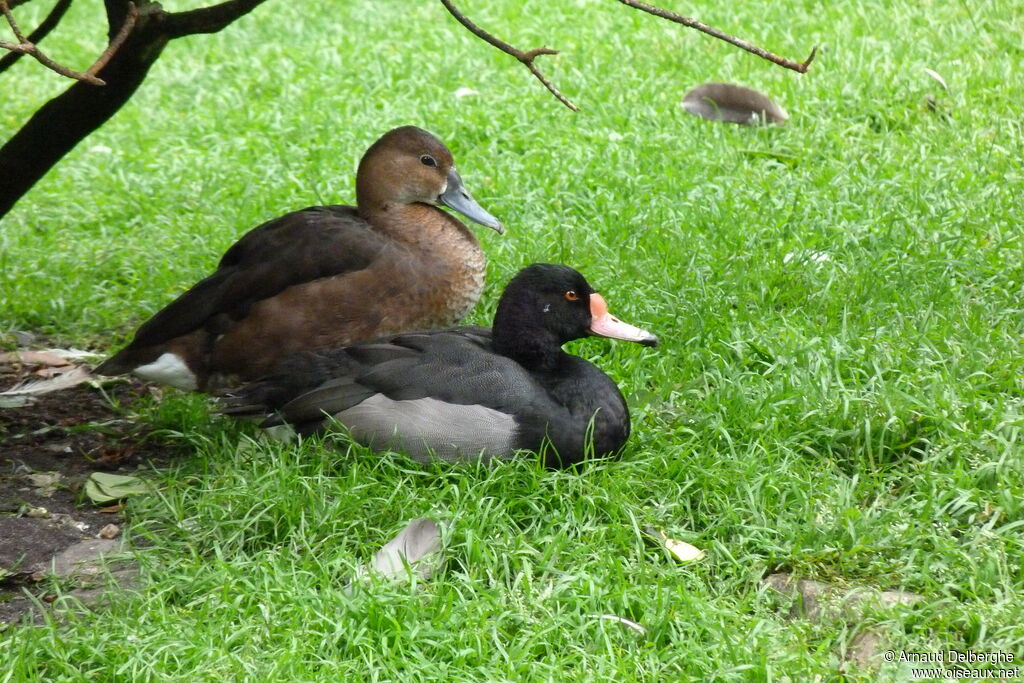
x=408 y=165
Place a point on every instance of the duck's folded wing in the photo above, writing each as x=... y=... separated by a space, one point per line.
x=298 y=247
x=447 y=378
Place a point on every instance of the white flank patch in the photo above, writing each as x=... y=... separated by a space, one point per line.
x=428 y=425
x=168 y=369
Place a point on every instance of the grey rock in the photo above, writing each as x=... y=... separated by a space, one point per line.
x=819 y=601
x=83 y=562
x=816 y=600
x=862 y=651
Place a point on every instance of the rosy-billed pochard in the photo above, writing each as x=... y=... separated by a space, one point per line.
x=459 y=393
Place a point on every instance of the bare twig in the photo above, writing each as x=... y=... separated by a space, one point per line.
x=112 y=47
x=711 y=31
x=26 y=46
x=526 y=57
x=44 y=28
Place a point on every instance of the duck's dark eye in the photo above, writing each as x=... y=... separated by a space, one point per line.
x=571 y=295
x=428 y=160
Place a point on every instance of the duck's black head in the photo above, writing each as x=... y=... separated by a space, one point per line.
x=546 y=305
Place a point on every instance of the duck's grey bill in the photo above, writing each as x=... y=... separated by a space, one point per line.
x=458 y=198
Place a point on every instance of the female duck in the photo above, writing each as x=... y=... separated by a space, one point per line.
x=461 y=392
x=326 y=276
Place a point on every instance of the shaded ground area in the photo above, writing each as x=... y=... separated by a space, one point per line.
x=48 y=527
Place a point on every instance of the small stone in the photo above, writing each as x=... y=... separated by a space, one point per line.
x=110 y=531
x=37 y=513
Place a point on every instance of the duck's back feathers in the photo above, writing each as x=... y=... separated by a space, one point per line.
x=299 y=247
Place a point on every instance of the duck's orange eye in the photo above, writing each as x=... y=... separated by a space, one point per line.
x=571 y=295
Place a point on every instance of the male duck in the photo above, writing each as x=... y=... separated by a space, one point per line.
x=461 y=392
x=326 y=276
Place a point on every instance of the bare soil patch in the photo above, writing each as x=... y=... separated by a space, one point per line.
x=47 y=451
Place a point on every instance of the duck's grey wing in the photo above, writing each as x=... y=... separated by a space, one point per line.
x=444 y=392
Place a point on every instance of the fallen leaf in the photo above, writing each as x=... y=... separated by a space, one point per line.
x=74 y=355
x=103 y=487
x=628 y=623
x=683 y=551
x=73 y=377
x=112 y=455
x=45 y=483
x=937 y=77
x=40 y=479
x=51 y=371
x=816 y=256
x=32 y=358
x=733 y=104
x=16 y=401
x=111 y=510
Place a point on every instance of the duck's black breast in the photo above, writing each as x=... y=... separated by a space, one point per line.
x=298 y=247
x=447 y=393
x=595 y=421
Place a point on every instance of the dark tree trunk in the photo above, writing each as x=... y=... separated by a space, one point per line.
x=60 y=124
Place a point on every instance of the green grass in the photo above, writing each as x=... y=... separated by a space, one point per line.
x=855 y=419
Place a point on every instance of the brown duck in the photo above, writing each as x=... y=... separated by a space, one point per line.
x=326 y=276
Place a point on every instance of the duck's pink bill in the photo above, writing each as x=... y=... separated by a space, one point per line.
x=604 y=324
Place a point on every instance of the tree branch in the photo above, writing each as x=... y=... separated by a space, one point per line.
x=28 y=47
x=44 y=28
x=115 y=44
x=526 y=58
x=207 y=19
x=721 y=35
